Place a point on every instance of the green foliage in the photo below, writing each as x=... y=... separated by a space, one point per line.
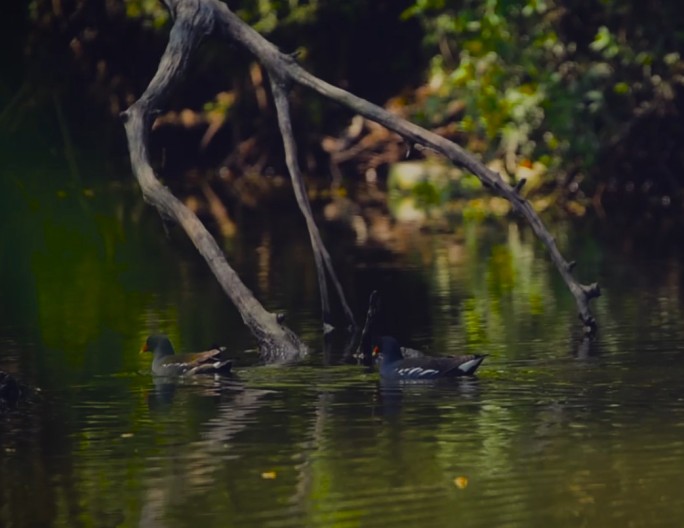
x=152 y=12
x=267 y=15
x=540 y=80
x=495 y=73
x=427 y=195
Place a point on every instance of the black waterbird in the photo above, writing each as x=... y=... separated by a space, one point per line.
x=395 y=367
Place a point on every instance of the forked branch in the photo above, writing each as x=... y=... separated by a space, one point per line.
x=193 y=19
x=286 y=68
x=276 y=342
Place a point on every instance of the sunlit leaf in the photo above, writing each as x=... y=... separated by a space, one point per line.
x=461 y=482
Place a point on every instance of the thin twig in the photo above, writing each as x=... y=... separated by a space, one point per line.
x=283 y=111
x=321 y=256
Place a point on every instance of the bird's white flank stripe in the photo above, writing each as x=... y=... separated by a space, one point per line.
x=409 y=371
x=416 y=371
x=465 y=367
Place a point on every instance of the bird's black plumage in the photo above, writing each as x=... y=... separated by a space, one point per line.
x=394 y=366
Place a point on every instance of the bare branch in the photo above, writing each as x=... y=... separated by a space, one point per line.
x=196 y=18
x=285 y=67
x=321 y=256
x=192 y=22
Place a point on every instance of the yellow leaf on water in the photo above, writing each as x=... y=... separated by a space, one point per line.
x=268 y=475
x=461 y=482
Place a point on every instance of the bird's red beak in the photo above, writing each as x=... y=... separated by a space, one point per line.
x=144 y=348
x=376 y=350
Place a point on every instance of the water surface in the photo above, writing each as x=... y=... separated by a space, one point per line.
x=553 y=432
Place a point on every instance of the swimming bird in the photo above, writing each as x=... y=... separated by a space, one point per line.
x=165 y=362
x=395 y=367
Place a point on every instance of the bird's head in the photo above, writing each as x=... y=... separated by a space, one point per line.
x=159 y=345
x=387 y=348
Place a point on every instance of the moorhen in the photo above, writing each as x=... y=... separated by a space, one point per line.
x=166 y=363
x=394 y=367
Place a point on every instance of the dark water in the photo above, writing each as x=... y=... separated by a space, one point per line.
x=553 y=432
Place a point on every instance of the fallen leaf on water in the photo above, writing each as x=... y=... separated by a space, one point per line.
x=461 y=482
x=268 y=475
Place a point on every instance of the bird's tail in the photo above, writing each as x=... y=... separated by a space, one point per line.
x=470 y=366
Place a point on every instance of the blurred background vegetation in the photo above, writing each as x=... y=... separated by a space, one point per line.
x=582 y=98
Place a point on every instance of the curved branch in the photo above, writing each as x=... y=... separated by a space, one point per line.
x=193 y=21
x=417 y=135
x=196 y=18
x=286 y=68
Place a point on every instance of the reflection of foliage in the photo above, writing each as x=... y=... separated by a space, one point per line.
x=542 y=81
x=488 y=289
